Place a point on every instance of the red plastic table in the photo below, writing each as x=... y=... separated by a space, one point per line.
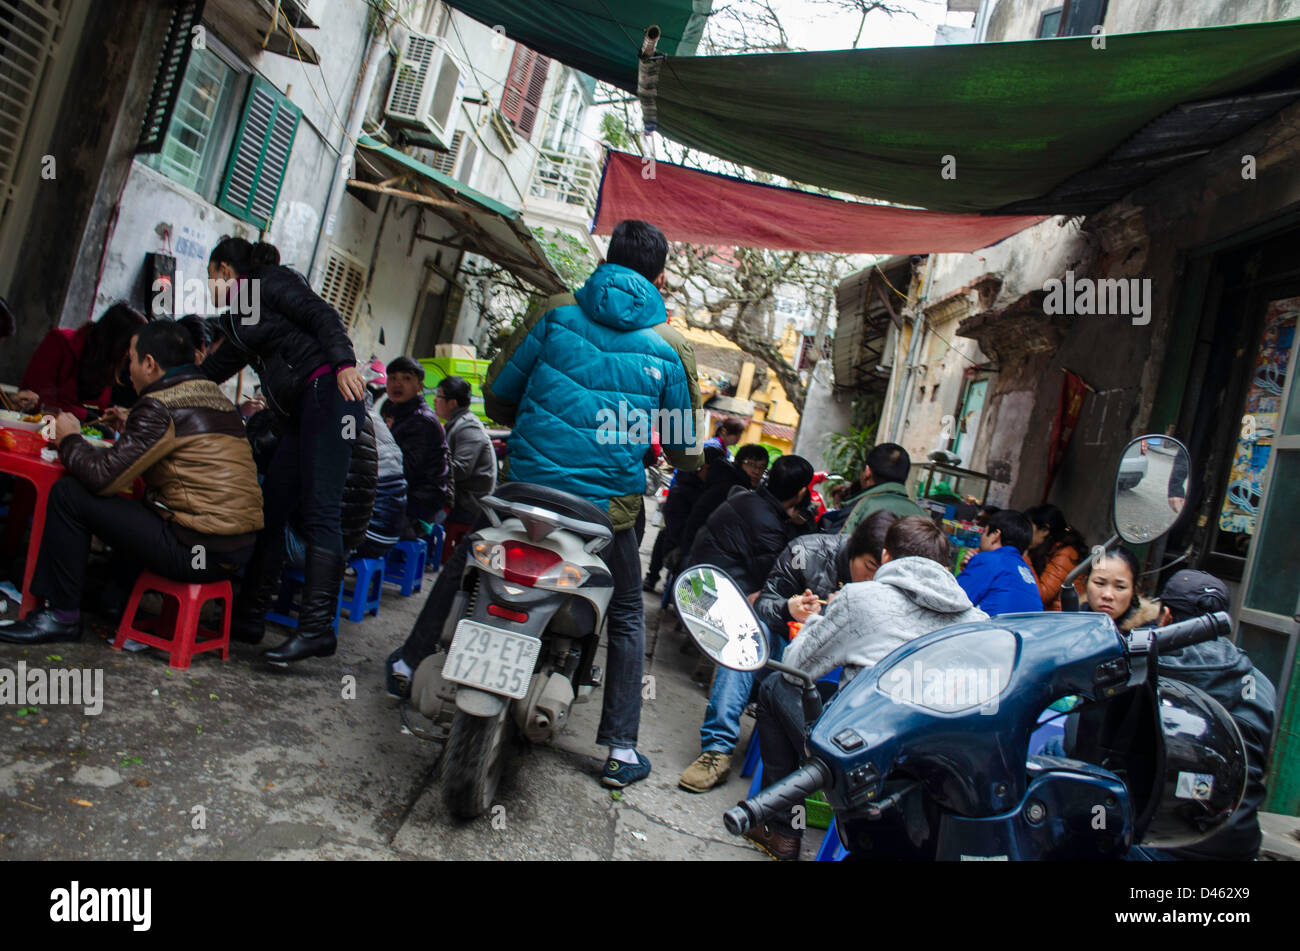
x=42 y=475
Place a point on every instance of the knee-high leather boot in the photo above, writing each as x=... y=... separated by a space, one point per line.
x=261 y=585
x=320 y=597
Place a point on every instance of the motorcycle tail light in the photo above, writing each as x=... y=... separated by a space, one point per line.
x=1143 y=450
x=515 y=561
x=563 y=575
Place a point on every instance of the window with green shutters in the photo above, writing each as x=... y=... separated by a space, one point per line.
x=260 y=154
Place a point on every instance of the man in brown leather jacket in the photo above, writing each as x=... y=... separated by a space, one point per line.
x=203 y=507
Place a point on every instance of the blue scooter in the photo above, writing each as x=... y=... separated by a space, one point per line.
x=925 y=755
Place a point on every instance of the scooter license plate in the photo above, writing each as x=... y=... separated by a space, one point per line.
x=497 y=661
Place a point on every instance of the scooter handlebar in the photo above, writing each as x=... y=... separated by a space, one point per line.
x=1195 y=630
x=778 y=797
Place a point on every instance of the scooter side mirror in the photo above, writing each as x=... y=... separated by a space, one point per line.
x=1150 y=492
x=1150 y=488
x=721 y=621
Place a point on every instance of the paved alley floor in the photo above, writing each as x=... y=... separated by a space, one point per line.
x=237 y=760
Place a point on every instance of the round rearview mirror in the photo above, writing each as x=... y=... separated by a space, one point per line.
x=719 y=618
x=1150 y=488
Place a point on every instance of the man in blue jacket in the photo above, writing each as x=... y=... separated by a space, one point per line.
x=581 y=381
x=997 y=580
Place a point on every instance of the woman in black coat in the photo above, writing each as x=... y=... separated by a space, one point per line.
x=297 y=344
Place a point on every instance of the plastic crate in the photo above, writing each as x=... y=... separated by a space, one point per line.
x=471 y=371
x=820 y=812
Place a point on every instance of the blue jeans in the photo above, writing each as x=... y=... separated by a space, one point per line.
x=620 y=715
x=720 y=731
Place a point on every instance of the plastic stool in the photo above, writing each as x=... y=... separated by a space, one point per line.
x=753 y=755
x=182 y=602
x=364 y=597
x=455 y=531
x=404 y=566
x=433 y=549
x=293 y=578
x=831 y=849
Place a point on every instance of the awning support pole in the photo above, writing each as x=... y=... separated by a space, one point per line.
x=647 y=78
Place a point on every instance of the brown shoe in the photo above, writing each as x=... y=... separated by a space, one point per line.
x=711 y=769
x=782 y=847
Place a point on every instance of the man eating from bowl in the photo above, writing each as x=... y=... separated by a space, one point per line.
x=203 y=507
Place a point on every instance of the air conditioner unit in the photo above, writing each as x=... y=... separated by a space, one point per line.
x=427 y=89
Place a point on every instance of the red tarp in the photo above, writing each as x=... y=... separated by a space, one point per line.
x=706 y=208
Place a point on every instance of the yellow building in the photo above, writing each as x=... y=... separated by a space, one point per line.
x=774 y=419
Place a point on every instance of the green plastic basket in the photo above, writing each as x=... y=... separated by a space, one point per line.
x=820 y=812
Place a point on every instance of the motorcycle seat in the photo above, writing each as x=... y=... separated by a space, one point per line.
x=553 y=500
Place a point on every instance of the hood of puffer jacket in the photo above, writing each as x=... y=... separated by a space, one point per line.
x=1142 y=613
x=620 y=298
x=927 y=583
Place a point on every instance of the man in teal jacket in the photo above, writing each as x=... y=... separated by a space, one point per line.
x=582 y=381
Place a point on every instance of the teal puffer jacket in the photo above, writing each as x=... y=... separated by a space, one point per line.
x=590 y=381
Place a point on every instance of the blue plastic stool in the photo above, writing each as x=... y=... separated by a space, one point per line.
x=293 y=579
x=405 y=566
x=831 y=849
x=433 y=548
x=364 y=597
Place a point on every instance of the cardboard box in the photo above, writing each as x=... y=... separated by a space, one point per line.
x=458 y=350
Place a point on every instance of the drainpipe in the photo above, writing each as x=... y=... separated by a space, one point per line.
x=904 y=401
x=356 y=115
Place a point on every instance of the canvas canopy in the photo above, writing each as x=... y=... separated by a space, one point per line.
x=482 y=224
x=706 y=208
x=959 y=127
x=597 y=37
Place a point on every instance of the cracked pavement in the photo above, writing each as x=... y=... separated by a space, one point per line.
x=236 y=760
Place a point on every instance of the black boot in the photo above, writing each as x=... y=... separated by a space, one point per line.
x=261 y=585
x=320 y=601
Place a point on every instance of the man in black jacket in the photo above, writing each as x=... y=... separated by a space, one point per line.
x=685 y=491
x=424 y=448
x=724 y=478
x=747 y=532
x=810 y=569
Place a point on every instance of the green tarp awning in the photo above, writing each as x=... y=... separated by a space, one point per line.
x=1016 y=118
x=482 y=225
x=597 y=37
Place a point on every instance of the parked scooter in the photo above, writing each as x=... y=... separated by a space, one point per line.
x=925 y=755
x=523 y=633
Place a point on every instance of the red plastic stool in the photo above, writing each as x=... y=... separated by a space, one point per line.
x=182 y=602
x=455 y=531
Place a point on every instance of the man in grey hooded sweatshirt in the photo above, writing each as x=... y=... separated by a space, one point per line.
x=912 y=594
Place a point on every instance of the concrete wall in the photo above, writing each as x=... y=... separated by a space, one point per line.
x=1018 y=19
x=99 y=107
x=825 y=414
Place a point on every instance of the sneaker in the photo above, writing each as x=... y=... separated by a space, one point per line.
x=398 y=685
x=782 y=847
x=620 y=775
x=649 y=585
x=711 y=769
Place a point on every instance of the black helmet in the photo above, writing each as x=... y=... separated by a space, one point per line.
x=1203 y=767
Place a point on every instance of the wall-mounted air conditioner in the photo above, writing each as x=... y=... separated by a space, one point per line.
x=427 y=89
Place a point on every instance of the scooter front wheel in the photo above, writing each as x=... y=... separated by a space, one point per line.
x=474 y=762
